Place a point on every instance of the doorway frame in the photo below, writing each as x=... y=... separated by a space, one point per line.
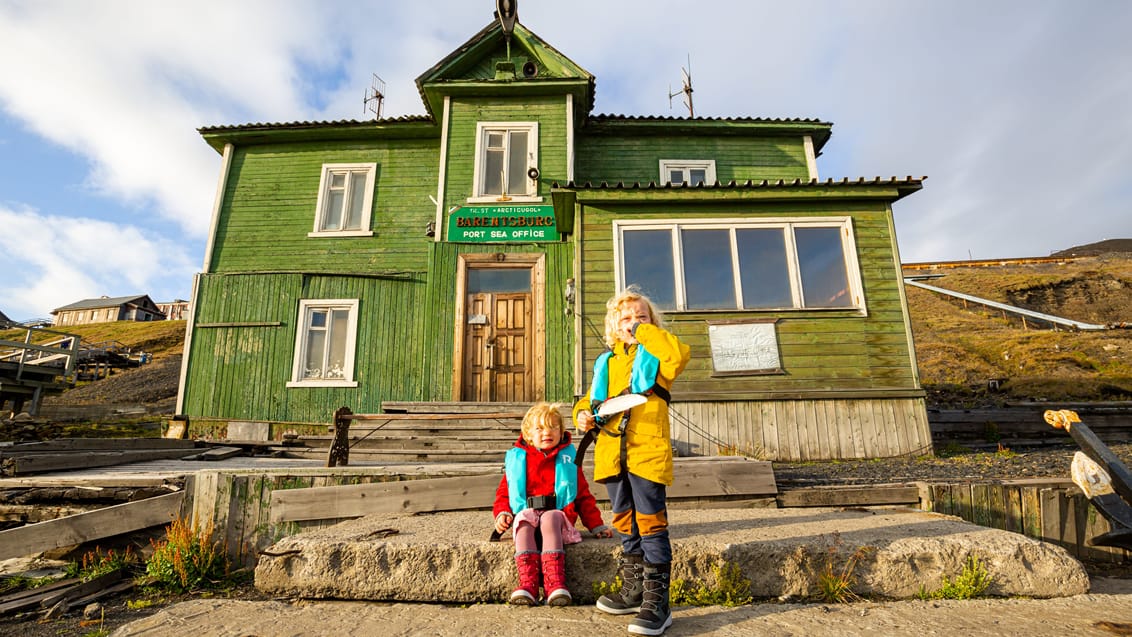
x=536 y=263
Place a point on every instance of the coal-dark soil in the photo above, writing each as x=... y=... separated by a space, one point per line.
x=952 y=463
x=151 y=383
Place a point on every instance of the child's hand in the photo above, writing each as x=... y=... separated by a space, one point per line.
x=603 y=531
x=586 y=421
x=503 y=521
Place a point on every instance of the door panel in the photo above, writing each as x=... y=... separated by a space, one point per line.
x=497 y=348
x=511 y=366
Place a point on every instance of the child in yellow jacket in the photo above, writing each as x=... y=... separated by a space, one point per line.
x=633 y=455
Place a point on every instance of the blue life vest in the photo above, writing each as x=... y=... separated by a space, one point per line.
x=565 y=477
x=641 y=380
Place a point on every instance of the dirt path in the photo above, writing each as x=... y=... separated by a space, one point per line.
x=1093 y=614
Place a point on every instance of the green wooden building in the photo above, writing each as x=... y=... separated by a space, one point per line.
x=466 y=255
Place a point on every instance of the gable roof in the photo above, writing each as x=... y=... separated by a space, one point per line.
x=106 y=301
x=472 y=68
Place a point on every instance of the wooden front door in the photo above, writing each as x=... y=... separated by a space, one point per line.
x=498 y=348
x=500 y=328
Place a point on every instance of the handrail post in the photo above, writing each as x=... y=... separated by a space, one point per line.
x=340 y=447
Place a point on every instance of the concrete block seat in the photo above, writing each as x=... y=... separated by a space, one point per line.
x=448 y=558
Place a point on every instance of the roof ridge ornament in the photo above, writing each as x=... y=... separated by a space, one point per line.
x=508 y=13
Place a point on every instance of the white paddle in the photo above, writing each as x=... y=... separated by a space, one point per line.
x=621 y=403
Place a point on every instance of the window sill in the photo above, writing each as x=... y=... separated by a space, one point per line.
x=321 y=383
x=342 y=233
x=512 y=199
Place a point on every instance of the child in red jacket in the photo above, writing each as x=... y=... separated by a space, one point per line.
x=543 y=490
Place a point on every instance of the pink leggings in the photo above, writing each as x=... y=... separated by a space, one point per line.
x=550 y=524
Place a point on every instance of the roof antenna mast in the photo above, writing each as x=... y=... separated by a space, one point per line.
x=375 y=97
x=508 y=13
x=686 y=75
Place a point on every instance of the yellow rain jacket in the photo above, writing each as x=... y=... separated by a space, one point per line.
x=648 y=437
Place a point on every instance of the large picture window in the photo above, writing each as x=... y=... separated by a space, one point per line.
x=325 y=343
x=505 y=152
x=345 y=200
x=774 y=264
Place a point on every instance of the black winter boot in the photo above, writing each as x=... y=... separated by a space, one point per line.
x=628 y=600
x=655 y=615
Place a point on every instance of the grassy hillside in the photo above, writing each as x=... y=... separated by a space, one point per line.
x=960 y=349
x=159 y=338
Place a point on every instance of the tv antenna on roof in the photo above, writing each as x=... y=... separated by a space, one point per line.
x=686 y=75
x=375 y=97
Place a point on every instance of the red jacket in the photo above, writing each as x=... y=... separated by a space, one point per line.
x=540 y=481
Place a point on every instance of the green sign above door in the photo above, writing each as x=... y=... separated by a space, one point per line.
x=502 y=224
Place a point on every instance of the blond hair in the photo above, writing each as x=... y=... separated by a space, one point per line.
x=613 y=308
x=542 y=416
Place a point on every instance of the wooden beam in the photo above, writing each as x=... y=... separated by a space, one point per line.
x=693 y=480
x=38 y=463
x=94 y=525
x=875 y=495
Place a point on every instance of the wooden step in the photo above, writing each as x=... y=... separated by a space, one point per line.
x=400 y=455
x=414 y=442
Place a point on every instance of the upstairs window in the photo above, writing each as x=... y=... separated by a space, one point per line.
x=325 y=343
x=781 y=264
x=691 y=172
x=345 y=200
x=505 y=153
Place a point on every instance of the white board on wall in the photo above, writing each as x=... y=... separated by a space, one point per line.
x=744 y=347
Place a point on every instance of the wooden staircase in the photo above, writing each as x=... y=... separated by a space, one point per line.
x=410 y=432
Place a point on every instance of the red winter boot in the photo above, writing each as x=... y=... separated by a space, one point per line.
x=527 y=593
x=554 y=578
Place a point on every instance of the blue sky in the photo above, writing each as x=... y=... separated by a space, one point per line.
x=1018 y=112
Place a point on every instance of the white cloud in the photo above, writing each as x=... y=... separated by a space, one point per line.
x=61 y=260
x=1017 y=111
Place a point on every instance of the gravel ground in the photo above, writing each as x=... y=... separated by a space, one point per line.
x=1009 y=464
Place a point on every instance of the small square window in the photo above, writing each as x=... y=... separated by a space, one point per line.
x=325 y=344
x=691 y=172
x=345 y=200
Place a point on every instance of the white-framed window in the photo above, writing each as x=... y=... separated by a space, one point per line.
x=505 y=154
x=741 y=264
x=345 y=200
x=325 y=343
x=692 y=172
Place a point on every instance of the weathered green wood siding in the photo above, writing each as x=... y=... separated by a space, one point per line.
x=821 y=351
x=271 y=195
x=241 y=372
x=636 y=158
x=549 y=112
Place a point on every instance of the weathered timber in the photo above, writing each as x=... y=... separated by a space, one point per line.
x=30 y=598
x=95 y=444
x=38 y=463
x=696 y=479
x=217 y=453
x=873 y=495
x=83 y=589
x=93 y=525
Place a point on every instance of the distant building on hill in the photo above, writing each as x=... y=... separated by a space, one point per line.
x=4 y=321
x=174 y=310
x=108 y=309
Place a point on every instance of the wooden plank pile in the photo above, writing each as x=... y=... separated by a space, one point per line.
x=84 y=453
x=89 y=526
x=57 y=598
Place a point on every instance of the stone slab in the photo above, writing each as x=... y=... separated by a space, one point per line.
x=447 y=558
